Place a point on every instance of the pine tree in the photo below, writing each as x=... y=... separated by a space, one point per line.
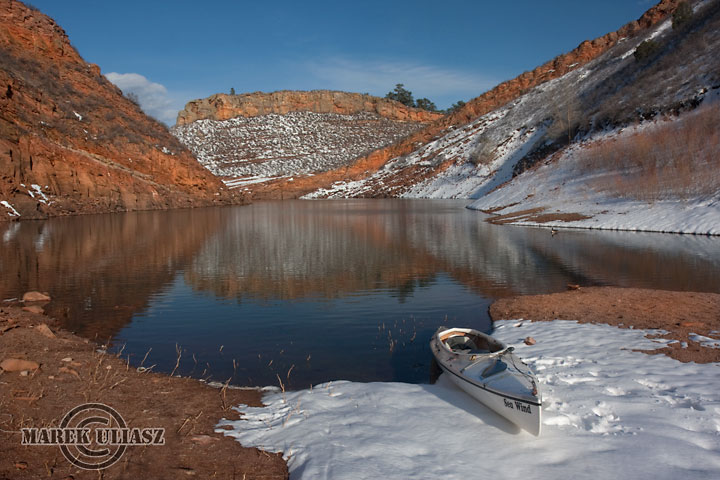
x=402 y=95
x=425 y=104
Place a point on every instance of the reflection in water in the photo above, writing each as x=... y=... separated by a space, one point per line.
x=317 y=289
x=100 y=269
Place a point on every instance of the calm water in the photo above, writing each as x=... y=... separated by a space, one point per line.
x=321 y=290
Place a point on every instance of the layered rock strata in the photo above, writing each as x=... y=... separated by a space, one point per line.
x=223 y=107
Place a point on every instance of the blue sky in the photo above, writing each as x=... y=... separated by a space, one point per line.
x=170 y=52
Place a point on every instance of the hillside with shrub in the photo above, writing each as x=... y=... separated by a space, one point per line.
x=661 y=175
x=611 y=91
x=447 y=152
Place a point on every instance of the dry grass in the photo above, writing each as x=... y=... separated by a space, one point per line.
x=677 y=160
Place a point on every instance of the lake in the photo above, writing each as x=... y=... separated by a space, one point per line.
x=302 y=292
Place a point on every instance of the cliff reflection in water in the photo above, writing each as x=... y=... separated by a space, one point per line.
x=101 y=269
x=258 y=291
x=329 y=249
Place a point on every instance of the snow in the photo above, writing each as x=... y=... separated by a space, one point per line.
x=79 y=117
x=244 y=181
x=705 y=341
x=505 y=128
x=609 y=412
x=297 y=143
x=42 y=198
x=12 y=212
x=559 y=187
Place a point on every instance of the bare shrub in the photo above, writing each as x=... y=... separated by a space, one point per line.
x=566 y=119
x=484 y=152
x=133 y=98
x=677 y=160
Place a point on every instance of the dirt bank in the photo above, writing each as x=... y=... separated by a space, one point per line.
x=72 y=372
x=678 y=313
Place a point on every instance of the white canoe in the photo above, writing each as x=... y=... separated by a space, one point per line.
x=490 y=372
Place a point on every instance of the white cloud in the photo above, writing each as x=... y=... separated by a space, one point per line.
x=379 y=77
x=153 y=97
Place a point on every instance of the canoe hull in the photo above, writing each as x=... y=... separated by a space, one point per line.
x=525 y=415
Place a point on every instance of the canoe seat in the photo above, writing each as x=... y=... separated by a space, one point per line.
x=461 y=344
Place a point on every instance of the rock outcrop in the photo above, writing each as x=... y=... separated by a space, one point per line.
x=223 y=107
x=71 y=143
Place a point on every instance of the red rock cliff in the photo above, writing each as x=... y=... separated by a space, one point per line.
x=224 y=107
x=70 y=142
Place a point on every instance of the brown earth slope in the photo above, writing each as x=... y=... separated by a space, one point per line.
x=485 y=103
x=70 y=142
x=71 y=371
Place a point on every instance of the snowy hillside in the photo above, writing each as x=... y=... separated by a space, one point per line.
x=297 y=143
x=612 y=91
x=659 y=176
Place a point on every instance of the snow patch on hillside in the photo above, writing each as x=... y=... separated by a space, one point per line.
x=297 y=143
x=12 y=212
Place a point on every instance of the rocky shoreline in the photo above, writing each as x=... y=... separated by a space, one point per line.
x=50 y=371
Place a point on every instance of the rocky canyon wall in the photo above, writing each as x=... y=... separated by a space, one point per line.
x=71 y=143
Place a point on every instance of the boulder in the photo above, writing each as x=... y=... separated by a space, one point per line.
x=34 y=296
x=17 y=365
x=45 y=330
x=34 y=309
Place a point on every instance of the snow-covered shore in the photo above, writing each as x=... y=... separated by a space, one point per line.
x=608 y=412
x=701 y=217
x=554 y=191
x=602 y=184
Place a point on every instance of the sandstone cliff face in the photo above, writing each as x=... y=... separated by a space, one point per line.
x=223 y=107
x=488 y=102
x=70 y=142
